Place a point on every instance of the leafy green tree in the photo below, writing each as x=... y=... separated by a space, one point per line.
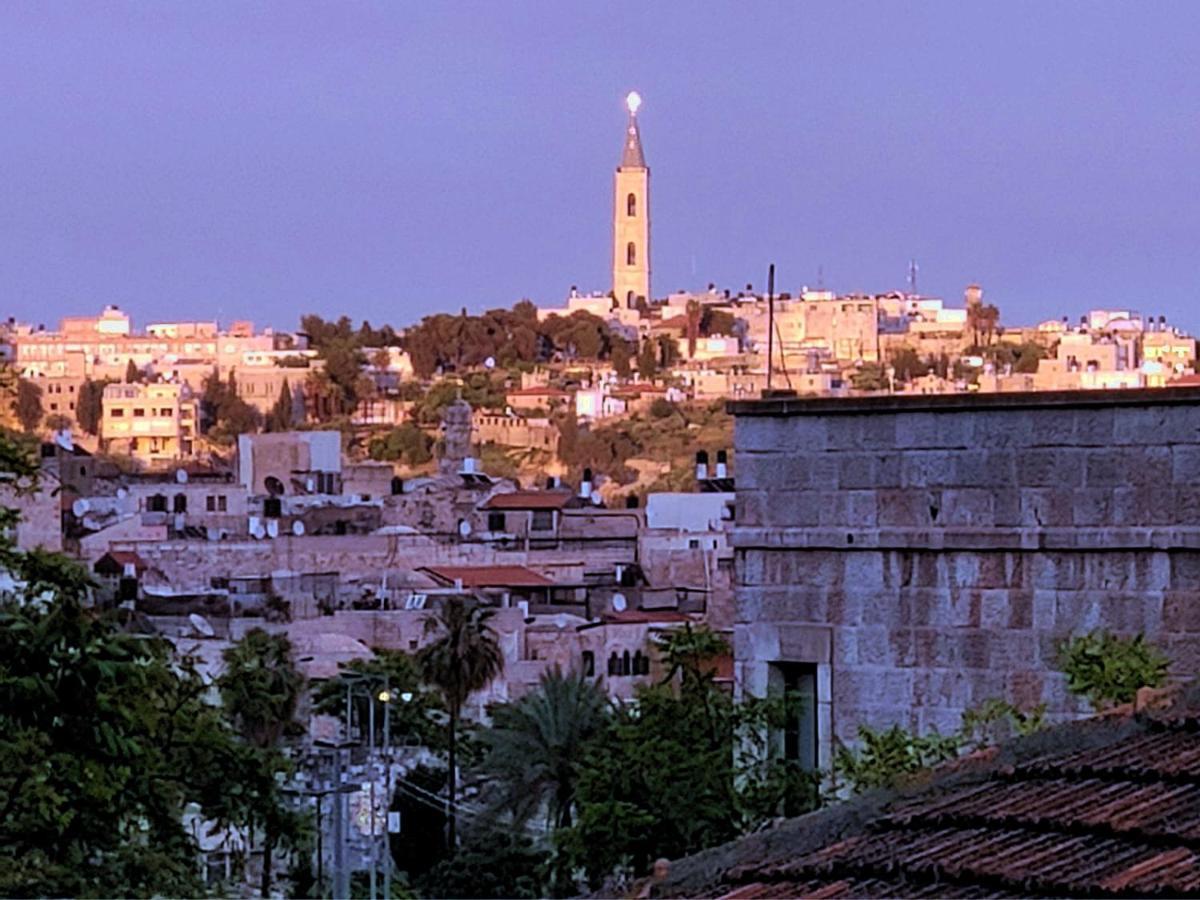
x=464 y=657
x=489 y=866
x=89 y=405
x=1108 y=669
x=661 y=408
x=535 y=744
x=869 y=377
x=907 y=364
x=280 y=418
x=105 y=740
x=227 y=414
x=406 y=442
x=133 y=374
x=260 y=690
x=622 y=357
x=647 y=360
x=683 y=768
x=58 y=422
x=28 y=406
x=416 y=711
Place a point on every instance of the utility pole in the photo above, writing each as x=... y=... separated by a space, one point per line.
x=770 y=324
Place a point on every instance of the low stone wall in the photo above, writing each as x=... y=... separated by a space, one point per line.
x=932 y=552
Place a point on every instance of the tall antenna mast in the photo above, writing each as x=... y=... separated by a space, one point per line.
x=770 y=323
x=912 y=276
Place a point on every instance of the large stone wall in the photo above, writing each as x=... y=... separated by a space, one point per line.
x=928 y=553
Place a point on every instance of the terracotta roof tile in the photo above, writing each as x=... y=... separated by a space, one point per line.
x=529 y=500
x=489 y=576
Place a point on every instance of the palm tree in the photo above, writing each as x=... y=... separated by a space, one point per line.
x=535 y=744
x=464 y=658
x=260 y=690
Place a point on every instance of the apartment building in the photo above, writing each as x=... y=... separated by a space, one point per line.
x=154 y=423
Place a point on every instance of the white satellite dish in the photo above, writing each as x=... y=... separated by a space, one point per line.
x=464 y=528
x=258 y=532
x=201 y=625
x=181 y=476
x=80 y=507
x=63 y=439
x=273 y=528
x=619 y=602
x=122 y=493
x=490 y=362
x=298 y=528
x=596 y=498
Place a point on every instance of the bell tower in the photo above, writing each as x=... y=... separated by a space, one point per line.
x=631 y=216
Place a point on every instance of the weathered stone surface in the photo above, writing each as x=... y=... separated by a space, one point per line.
x=936 y=554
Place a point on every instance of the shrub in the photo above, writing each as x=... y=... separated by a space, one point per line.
x=1109 y=670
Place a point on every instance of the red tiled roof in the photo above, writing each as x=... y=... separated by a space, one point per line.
x=489 y=576
x=639 y=387
x=529 y=500
x=119 y=559
x=1120 y=817
x=1184 y=381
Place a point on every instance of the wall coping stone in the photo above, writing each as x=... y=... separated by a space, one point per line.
x=999 y=539
x=906 y=403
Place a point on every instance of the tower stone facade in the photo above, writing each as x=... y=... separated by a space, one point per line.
x=631 y=217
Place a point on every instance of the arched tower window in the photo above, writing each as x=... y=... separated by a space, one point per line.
x=631 y=205
x=631 y=254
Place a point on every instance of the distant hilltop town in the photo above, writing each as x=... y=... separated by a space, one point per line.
x=179 y=390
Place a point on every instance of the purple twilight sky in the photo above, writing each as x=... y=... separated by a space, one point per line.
x=259 y=160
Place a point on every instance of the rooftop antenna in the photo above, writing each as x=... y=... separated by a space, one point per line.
x=912 y=276
x=770 y=323
x=820 y=277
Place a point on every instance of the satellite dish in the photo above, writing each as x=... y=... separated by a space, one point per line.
x=80 y=507
x=298 y=528
x=619 y=603
x=122 y=493
x=201 y=625
x=273 y=485
x=464 y=528
x=63 y=439
x=272 y=528
x=596 y=498
x=181 y=476
x=490 y=362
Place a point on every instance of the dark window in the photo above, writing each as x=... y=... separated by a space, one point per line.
x=797 y=684
x=631 y=205
x=138 y=412
x=495 y=521
x=631 y=254
x=626 y=664
x=117 y=413
x=157 y=503
x=180 y=504
x=273 y=509
x=641 y=664
x=210 y=503
x=543 y=520
x=614 y=664
x=589 y=663
x=221 y=507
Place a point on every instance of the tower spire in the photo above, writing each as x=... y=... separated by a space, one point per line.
x=632 y=156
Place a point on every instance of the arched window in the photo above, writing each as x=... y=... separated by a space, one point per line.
x=631 y=254
x=180 y=503
x=614 y=664
x=631 y=205
x=640 y=664
x=626 y=667
x=630 y=298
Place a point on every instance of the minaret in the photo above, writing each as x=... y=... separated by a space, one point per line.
x=631 y=216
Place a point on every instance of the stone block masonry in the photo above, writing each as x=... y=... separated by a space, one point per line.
x=930 y=553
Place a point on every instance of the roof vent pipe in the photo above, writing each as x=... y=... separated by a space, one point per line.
x=585 y=486
x=722 y=464
x=701 y=465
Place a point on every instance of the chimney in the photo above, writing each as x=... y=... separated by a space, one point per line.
x=585 y=486
x=701 y=465
x=722 y=467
